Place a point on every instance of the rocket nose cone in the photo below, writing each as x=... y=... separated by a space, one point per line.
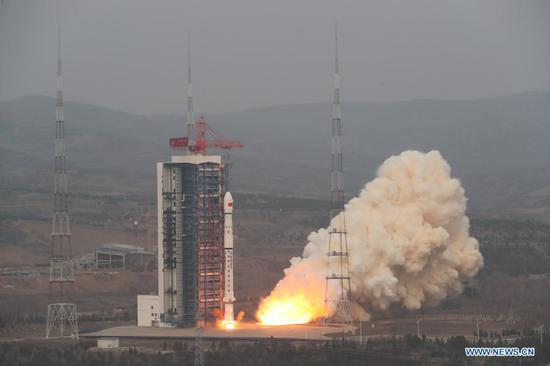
x=228 y=202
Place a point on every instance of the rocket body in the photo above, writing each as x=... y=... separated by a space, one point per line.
x=229 y=296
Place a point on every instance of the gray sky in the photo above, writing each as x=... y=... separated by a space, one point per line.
x=131 y=54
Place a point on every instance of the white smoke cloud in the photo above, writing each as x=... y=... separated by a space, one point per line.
x=408 y=239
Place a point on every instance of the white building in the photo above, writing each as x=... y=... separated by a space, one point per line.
x=148 y=310
x=107 y=343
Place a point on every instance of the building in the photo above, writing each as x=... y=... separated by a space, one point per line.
x=117 y=256
x=190 y=191
x=107 y=343
x=148 y=310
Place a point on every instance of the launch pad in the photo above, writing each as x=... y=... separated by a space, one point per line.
x=244 y=331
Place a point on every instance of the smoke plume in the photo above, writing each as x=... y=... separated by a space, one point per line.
x=408 y=239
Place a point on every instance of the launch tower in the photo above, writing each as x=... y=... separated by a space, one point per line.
x=192 y=259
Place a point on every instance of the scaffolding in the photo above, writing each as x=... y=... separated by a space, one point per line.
x=210 y=239
x=189 y=240
x=169 y=255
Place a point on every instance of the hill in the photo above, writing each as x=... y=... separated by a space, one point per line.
x=498 y=147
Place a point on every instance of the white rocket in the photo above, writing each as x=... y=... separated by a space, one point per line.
x=229 y=296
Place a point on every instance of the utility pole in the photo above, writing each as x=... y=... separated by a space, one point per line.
x=540 y=330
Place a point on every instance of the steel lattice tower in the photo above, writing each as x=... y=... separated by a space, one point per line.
x=199 y=352
x=337 y=255
x=61 y=314
x=190 y=111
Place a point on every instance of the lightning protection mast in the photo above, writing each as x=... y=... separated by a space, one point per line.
x=338 y=279
x=62 y=316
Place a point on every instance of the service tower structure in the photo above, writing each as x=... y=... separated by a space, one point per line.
x=190 y=193
x=193 y=244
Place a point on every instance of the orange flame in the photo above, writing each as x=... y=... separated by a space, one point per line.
x=228 y=324
x=289 y=309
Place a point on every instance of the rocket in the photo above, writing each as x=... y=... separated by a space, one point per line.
x=229 y=296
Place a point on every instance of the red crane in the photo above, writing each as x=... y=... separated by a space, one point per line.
x=200 y=142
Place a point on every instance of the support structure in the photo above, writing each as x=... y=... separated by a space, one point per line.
x=149 y=230
x=338 y=279
x=190 y=209
x=199 y=351
x=190 y=199
x=62 y=315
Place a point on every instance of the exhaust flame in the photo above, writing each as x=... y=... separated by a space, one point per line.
x=296 y=309
x=228 y=324
x=408 y=240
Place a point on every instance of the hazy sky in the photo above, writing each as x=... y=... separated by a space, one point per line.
x=131 y=54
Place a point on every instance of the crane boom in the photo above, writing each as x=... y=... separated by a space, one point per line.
x=205 y=137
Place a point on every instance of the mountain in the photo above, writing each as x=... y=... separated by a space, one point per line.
x=498 y=147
